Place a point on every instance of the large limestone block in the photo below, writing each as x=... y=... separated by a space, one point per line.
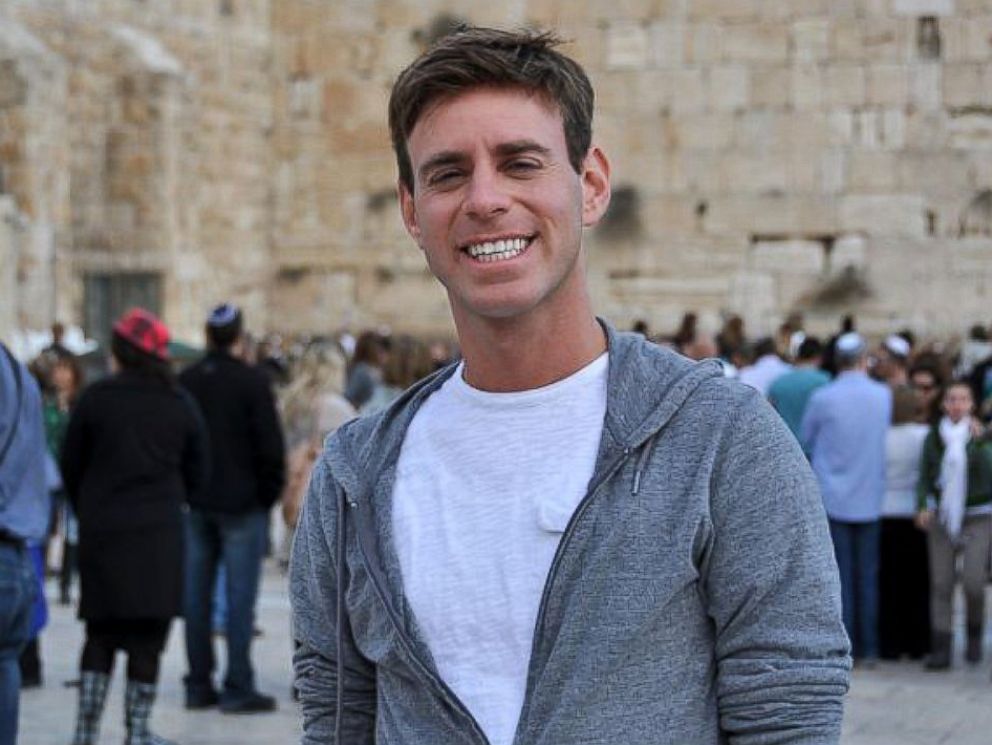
x=753 y=295
x=771 y=86
x=727 y=87
x=847 y=39
x=665 y=216
x=849 y=250
x=888 y=39
x=762 y=130
x=788 y=215
x=756 y=42
x=689 y=91
x=887 y=85
x=811 y=40
x=935 y=172
x=872 y=171
x=703 y=43
x=889 y=214
x=775 y=10
x=626 y=46
x=667 y=47
x=704 y=131
x=724 y=10
x=807 y=86
x=746 y=173
x=832 y=171
x=691 y=288
x=916 y=8
x=844 y=86
x=788 y=257
x=926 y=86
x=967 y=85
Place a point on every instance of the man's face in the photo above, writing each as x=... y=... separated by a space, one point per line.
x=497 y=208
x=925 y=385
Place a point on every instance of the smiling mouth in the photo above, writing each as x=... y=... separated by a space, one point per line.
x=501 y=250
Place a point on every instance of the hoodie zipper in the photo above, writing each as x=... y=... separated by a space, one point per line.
x=450 y=696
x=556 y=562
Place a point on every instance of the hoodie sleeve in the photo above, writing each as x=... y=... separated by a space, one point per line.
x=314 y=578
x=773 y=590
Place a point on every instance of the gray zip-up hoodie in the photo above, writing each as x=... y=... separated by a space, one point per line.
x=693 y=598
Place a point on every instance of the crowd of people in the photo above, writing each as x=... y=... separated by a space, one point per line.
x=898 y=437
x=162 y=483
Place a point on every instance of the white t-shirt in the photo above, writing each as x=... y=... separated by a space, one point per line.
x=486 y=484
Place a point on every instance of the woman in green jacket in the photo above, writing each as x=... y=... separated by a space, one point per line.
x=954 y=502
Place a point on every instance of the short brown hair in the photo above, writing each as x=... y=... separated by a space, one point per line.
x=474 y=57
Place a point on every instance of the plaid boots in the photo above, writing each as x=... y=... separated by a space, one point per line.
x=138 y=700
x=92 y=696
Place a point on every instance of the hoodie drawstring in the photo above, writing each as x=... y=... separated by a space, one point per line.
x=642 y=461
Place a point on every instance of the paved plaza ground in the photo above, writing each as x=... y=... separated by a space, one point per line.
x=894 y=704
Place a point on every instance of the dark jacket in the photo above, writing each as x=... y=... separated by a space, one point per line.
x=694 y=598
x=248 y=455
x=134 y=450
x=979 y=453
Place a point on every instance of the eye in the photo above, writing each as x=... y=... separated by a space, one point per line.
x=522 y=165
x=444 y=177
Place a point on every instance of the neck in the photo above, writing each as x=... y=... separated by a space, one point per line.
x=505 y=355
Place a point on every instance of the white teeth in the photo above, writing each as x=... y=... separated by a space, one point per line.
x=497 y=250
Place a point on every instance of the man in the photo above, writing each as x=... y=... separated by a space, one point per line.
x=843 y=432
x=573 y=535
x=790 y=393
x=24 y=510
x=228 y=519
x=766 y=368
x=892 y=361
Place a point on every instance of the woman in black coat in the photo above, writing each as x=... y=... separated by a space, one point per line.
x=134 y=450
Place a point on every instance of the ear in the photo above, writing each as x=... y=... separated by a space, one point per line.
x=408 y=211
x=595 y=186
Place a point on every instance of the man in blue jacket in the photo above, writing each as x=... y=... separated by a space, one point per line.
x=843 y=431
x=24 y=509
x=573 y=535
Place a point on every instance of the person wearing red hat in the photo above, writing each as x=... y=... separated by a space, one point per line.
x=134 y=451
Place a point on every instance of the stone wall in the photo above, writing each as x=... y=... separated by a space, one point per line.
x=768 y=156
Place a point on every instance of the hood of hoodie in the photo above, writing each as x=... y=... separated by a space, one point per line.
x=637 y=409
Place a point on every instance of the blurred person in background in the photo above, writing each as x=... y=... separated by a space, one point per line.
x=976 y=348
x=312 y=407
x=789 y=393
x=685 y=335
x=227 y=522
x=365 y=370
x=843 y=432
x=847 y=325
x=134 y=452
x=732 y=338
x=927 y=383
x=766 y=367
x=903 y=570
x=890 y=362
x=65 y=377
x=954 y=506
x=24 y=517
x=409 y=360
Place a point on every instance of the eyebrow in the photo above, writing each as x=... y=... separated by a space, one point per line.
x=505 y=149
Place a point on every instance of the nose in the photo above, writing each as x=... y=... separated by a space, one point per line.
x=486 y=195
